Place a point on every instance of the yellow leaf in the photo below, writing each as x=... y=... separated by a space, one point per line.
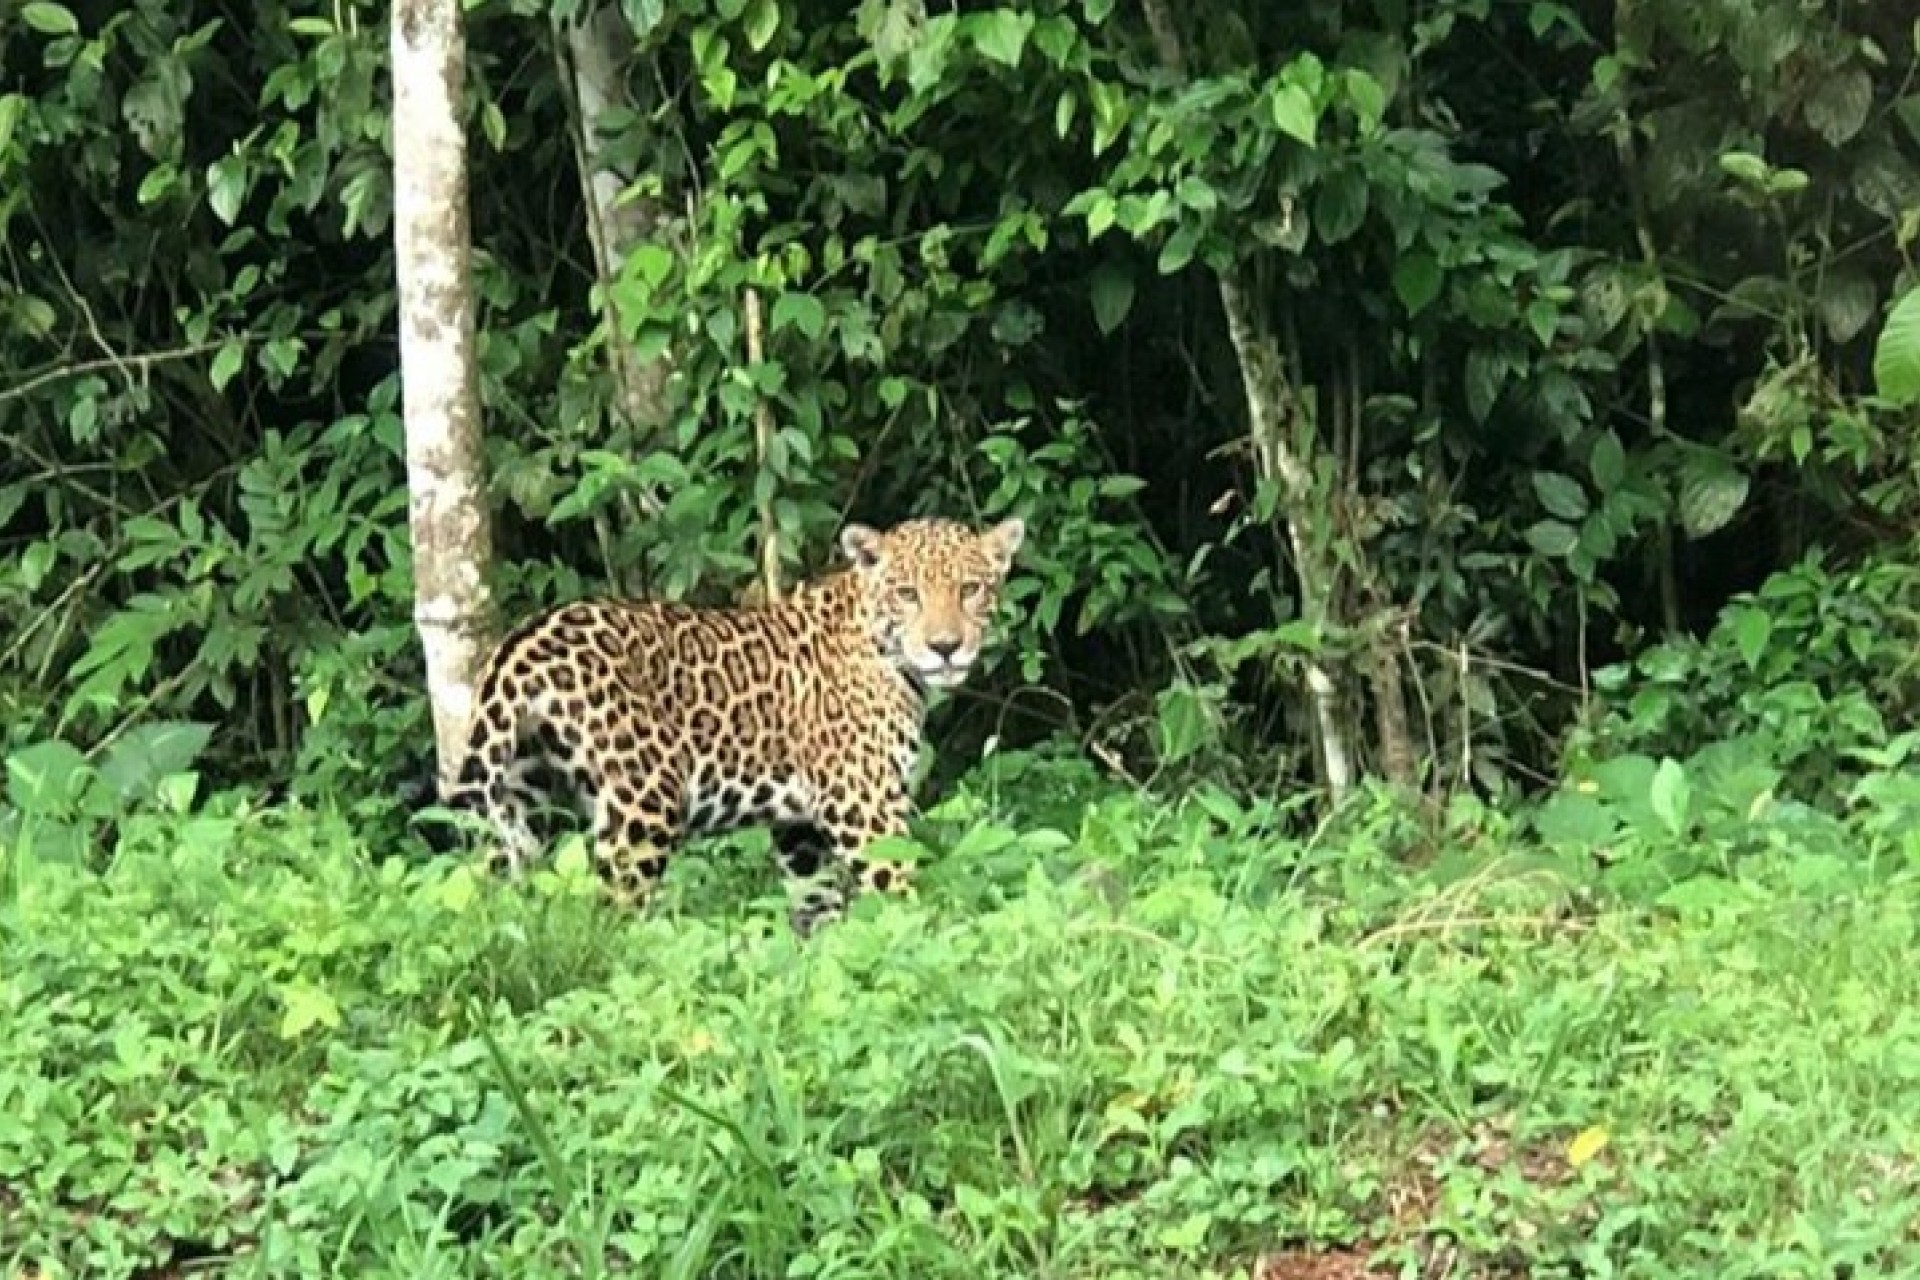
x=306 y=1007
x=1587 y=1144
x=457 y=890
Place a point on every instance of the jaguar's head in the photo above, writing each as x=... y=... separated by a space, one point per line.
x=931 y=587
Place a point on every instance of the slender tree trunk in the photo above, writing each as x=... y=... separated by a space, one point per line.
x=1272 y=415
x=447 y=504
x=600 y=48
x=762 y=446
x=597 y=55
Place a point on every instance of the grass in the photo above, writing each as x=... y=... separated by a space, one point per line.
x=1112 y=1039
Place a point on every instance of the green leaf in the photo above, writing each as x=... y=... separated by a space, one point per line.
x=1367 y=97
x=802 y=311
x=1896 y=356
x=1416 y=279
x=1112 y=291
x=1671 y=795
x=1838 y=106
x=50 y=19
x=643 y=15
x=458 y=890
x=135 y=764
x=226 y=363
x=1745 y=166
x=1185 y=725
x=1001 y=34
x=160 y=180
x=651 y=262
x=1486 y=374
x=1178 y=250
x=1710 y=498
x=1561 y=495
x=1609 y=462
x=307 y=1007
x=1552 y=538
x=763 y=20
x=12 y=107
x=1752 y=628
x=1576 y=821
x=48 y=779
x=1340 y=205
x=1293 y=113
x=227 y=187
x=1847 y=300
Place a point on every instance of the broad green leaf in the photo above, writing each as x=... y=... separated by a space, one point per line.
x=1112 y=291
x=50 y=19
x=1487 y=371
x=1576 y=821
x=1416 y=279
x=1710 y=498
x=763 y=20
x=1896 y=356
x=1178 y=250
x=1340 y=205
x=1553 y=538
x=1293 y=113
x=1838 y=106
x=1752 y=628
x=1367 y=97
x=48 y=779
x=1671 y=795
x=226 y=363
x=1561 y=495
x=1184 y=722
x=1609 y=462
x=458 y=890
x=802 y=311
x=1001 y=34
x=307 y=1007
x=1847 y=301
x=134 y=765
x=643 y=15
x=227 y=187
x=652 y=263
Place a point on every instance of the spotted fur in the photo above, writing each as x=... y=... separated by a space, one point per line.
x=670 y=721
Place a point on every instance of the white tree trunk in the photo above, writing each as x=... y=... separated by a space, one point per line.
x=596 y=60
x=1271 y=413
x=600 y=48
x=447 y=504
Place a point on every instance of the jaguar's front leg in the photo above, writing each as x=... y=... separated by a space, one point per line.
x=853 y=830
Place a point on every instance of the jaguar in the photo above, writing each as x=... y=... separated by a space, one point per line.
x=805 y=714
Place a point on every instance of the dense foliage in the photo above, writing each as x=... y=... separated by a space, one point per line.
x=1578 y=309
x=1115 y=1039
x=1540 y=378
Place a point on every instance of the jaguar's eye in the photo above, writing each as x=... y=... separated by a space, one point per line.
x=907 y=595
x=973 y=590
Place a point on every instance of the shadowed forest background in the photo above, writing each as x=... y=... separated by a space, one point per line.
x=1468 y=449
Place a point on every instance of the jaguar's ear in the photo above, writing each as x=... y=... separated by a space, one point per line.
x=863 y=546
x=1005 y=538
